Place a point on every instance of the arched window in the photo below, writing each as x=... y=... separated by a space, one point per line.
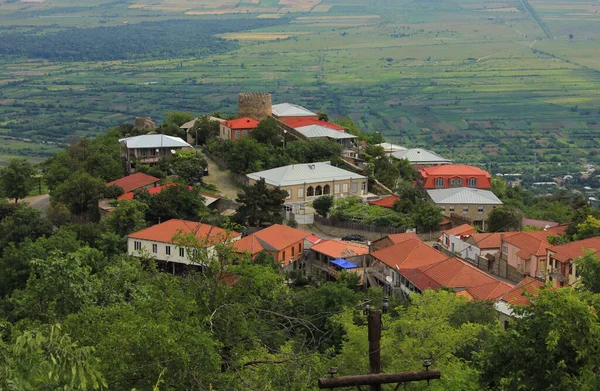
x=310 y=191
x=326 y=189
x=319 y=190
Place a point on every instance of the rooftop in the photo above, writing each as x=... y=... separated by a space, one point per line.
x=574 y=250
x=453 y=170
x=300 y=122
x=274 y=238
x=296 y=174
x=488 y=240
x=401 y=238
x=291 y=110
x=410 y=253
x=318 y=131
x=190 y=124
x=154 y=141
x=209 y=198
x=463 y=229
x=241 y=123
x=389 y=147
x=420 y=156
x=340 y=249
x=463 y=195
x=386 y=202
x=134 y=181
x=517 y=295
x=164 y=232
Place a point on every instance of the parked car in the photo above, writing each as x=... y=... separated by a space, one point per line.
x=354 y=238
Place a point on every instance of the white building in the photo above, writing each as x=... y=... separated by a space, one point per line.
x=150 y=148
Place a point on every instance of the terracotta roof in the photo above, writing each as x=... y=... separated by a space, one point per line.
x=314 y=239
x=249 y=244
x=300 y=122
x=158 y=189
x=458 y=274
x=464 y=229
x=241 y=123
x=274 y=238
x=454 y=169
x=490 y=240
x=529 y=243
x=574 y=250
x=516 y=296
x=164 y=232
x=134 y=181
x=386 y=202
x=409 y=254
x=340 y=249
x=400 y=238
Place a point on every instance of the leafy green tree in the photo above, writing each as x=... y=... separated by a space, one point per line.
x=322 y=116
x=189 y=168
x=267 y=132
x=323 y=204
x=178 y=117
x=247 y=155
x=79 y=192
x=128 y=217
x=16 y=180
x=428 y=216
x=260 y=205
x=173 y=202
x=588 y=268
x=204 y=129
x=309 y=151
x=24 y=223
x=505 y=218
x=113 y=191
x=588 y=229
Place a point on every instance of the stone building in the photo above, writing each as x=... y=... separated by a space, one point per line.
x=257 y=105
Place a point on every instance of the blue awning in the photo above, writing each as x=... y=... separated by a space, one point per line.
x=344 y=264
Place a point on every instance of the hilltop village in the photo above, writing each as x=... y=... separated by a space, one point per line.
x=247 y=241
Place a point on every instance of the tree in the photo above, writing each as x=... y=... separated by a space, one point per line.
x=24 y=223
x=505 y=218
x=428 y=216
x=588 y=229
x=260 y=205
x=173 y=202
x=127 y=218
x=323 y=204
x=15 y=179
x=267 y=132
x=247 y=155
x=79 y=191
x=322 y=116
x=189 y=167
x=204 y=128
x=178 y=117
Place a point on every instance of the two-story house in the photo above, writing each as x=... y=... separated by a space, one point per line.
x=149 y=148
x=561 y=260
x=136 y=181
x=420 y=157
x=327 y=252
x=167 y=243
x=312 y=129
x=237 y=129
x=449 y=176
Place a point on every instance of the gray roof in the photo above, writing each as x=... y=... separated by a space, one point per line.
x=190 y=124
x=291 y=110
x=389 y=147
x=420 y=156
x=463 y=195
x=315 y=131
x=154 y=141
x=297 y=174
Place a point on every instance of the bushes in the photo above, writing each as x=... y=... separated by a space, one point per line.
x=353 y=209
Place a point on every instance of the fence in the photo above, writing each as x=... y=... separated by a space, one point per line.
x=358 y=226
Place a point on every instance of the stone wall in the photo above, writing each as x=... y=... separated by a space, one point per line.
x=257 y=105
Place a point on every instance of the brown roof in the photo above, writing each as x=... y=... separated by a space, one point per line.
x=464 y=229
x=490 y=240
x=249 y=244
x=529 y=243
x=274 y=238
x=517 y=295
x=340 y=249
x=574 y=250
x=400 y=238
x=410 y=253
x=386 y=202
x=134 y=181
x=164 y=232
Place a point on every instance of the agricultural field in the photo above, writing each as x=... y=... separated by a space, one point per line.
x=508 y=84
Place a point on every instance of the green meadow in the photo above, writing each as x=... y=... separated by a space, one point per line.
x=478 y=81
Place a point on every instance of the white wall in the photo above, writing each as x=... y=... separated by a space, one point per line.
x=460 y=248
x=161 y=254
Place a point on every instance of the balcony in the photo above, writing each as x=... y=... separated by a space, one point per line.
x=558 y=277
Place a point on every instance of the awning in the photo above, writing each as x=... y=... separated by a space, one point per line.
x=344 y=264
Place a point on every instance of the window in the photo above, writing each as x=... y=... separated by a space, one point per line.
x=465 y=210
x=293 y=252
x=299 y=248
x=326 y=189
x=300 y=193
x=244 y=133
x=318 y=190
x=451 y=209
x=336 y=189
x=455 y=182
x=570 y=269
x=345 y=188
x=480 y=210
x=310 y=191
x=354 y=188
x=182 y=252
x=472 y=182
x=289 y=194
x=439 y=183
x=237 y=134
x=137 y=245
x=283 y=256
x=168 y=250
x=363 y=187
x=155 y=248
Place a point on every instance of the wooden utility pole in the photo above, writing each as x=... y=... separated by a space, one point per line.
x=374 y=327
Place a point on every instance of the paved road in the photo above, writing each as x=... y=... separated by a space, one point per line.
x=40 y=202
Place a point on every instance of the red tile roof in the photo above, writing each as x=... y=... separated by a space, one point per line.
x=300 y=122
x=448 y=171
x=249 y=244
x=158 y=189
x=464 y=229
x=386 y=202
x=516 y=296
x=400 y=238
x=340 y=249
x=134 y=181
x=274 y=238
x=490 y=240
x=574 y=250
x=458 y=274
x=411 y=253
x=528 y=243
x=241 y=123
x=314 y=239
x=164 y=232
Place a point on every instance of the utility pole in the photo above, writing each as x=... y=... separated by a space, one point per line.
x=375 y=379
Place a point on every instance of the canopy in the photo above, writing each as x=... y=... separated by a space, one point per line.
x=344 y=264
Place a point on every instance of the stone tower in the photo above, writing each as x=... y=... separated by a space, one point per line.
x=255 y=105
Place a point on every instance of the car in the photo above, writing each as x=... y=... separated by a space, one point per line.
x=354 y=238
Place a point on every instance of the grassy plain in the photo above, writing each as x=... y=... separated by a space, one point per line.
x=476 y=80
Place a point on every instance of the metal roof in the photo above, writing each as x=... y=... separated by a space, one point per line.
x=188 y=125
x=389 y=147
x=316 y=131
x=419 y=155
x=154 y=141
x=463 y=195
x=297 y=174
x=291 y=110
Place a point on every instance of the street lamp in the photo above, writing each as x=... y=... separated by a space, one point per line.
x=283 y=140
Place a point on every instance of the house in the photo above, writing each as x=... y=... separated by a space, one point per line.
x=386 y=201
x=449 y=176
x=136 y=181
x=518 y=296
x=190 y=137
x=305 y=182
x=159 y=242
x=483 y=245
x=311 y=241
x=465 y=204
x=420 y=158
x=285 y=243
x=390 y=148
x=209 y=199
x=526 y=252
x=283 y=111
x=237 y=129
x=311 y=129
x=452 y=240
x=328 y=251
x=392 y=239
x=561 y=265
x=149 y=148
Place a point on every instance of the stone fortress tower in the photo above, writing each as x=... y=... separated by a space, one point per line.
x=255 y=105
